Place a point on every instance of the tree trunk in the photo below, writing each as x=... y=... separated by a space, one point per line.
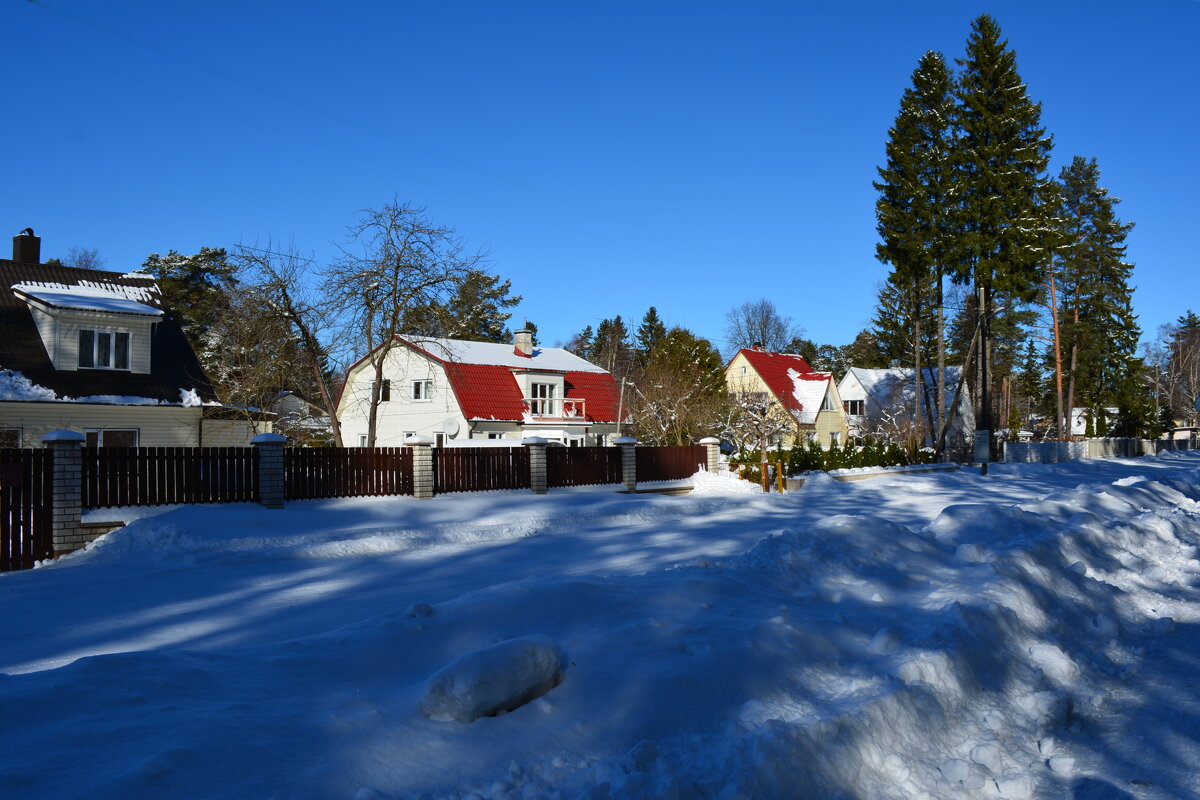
x=1063 y=429
x=942 y=411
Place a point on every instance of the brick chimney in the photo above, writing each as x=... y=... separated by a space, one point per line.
x=523 y=341
x=27 y=247
x=757 y=346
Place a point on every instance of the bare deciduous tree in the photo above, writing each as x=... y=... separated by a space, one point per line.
x=397 y=258
x=760 y=323
x=280 y=282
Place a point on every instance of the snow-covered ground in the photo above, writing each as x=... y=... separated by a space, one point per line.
x=1031 y=634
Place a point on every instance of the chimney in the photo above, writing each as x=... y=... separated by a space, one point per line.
x=757 y=346
x=523 y=341
x=27 y=247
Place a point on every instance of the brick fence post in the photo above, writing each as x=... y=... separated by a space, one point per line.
x=66 y=501
x=712 y=447
x=537 y=463
x=271 y=487
x=422 y=450
x=628 y=447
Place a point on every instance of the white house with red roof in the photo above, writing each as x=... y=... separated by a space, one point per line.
x=808 y=398
x=461 y=392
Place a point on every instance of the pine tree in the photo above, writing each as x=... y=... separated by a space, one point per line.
x=679 y=394
x=196 y=287
x=612 y=349
x=650 y=332
x=913 y=227
x=1099 y=325
x=1000 y=164
x=474 y=312
x=582 y=343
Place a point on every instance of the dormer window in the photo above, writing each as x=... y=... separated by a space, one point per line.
x=103 y=349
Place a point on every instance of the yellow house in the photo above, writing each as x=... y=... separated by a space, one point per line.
x=808 y=399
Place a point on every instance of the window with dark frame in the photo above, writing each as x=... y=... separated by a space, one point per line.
x=10 y=437
x=111 y=437
x=103 y=349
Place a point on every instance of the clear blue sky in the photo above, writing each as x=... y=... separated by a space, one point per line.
x=610 y=156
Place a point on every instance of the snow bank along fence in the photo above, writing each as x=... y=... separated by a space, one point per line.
x=43 y=493
x=1054 y=452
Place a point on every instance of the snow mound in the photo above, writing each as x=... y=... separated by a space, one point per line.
x=494 y=680
x=718 y=483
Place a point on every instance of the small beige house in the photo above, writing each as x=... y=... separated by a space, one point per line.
x=100 y=353
x=807 y=398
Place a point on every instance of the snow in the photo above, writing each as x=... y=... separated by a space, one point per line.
x=1029 y=634
x=809 y=391
x=15 y=386
x=91 y=296
x=554 y=359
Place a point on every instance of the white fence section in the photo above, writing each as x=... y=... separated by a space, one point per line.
x=1054 y=452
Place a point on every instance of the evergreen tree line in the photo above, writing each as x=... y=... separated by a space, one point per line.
x=1016 y=276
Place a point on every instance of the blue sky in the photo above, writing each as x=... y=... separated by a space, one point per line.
x=610 y=156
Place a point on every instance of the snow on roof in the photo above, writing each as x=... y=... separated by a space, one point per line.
x=808 y=390
x=92 y=296
x=14 y=386
x=551 y=359
x=896 y=384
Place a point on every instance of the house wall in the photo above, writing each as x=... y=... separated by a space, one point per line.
x=157 y=426
x=60 y=335
x=232 y=432
x=402 y=365
x=740 y=376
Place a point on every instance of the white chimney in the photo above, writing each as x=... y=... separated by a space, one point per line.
x=523 y=341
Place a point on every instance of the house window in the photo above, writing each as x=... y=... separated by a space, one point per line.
x=439 y=440
x=827 y=403
x=10 y=437
x=407 y=434
x=833 y=438
x=854 y=408
x=542 y=403
x=103 y=349
x=362 y=440
x=743 y=370
x=385 y=393
x=111 y=437
x=422 y=390
x=495 y=436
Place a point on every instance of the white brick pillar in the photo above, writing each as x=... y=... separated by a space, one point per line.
x=271 y=486
x=66 y=501
x=537 y=463
x=712 y=448
x=628 y=447
x=422 y=451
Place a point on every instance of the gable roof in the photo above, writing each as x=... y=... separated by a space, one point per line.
x=894 y=386
x=483 y=377
x=797 y=387
x=173 y=363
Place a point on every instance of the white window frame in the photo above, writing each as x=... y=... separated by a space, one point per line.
x=827 y=403
x=851 y=405
x=363 y=439
x=495 y=435
x=542 y=399
x=422 y=390
x=107 y=354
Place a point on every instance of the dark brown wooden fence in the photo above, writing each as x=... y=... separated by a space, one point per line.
x=156 y=476
x=582 y=466
x=312 y=473
x=478 y=469
x=25 y=492
x=669 y=463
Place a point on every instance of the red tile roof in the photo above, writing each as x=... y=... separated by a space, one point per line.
x=491 y=391
x=774 y=369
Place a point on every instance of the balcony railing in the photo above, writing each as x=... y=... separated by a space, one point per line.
x=556 y=408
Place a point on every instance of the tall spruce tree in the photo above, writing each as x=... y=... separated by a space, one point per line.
x=1100 y=328
x=650 y=332
x=914 y=187
x=1000 y=164
x=475 y=311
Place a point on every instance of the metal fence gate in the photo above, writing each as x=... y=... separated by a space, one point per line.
x=25 y=493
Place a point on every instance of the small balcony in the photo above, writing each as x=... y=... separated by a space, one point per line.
x=556 y=408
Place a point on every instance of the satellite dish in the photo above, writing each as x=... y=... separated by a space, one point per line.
x=450 y=427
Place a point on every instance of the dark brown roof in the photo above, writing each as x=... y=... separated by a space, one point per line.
x=173 y=364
